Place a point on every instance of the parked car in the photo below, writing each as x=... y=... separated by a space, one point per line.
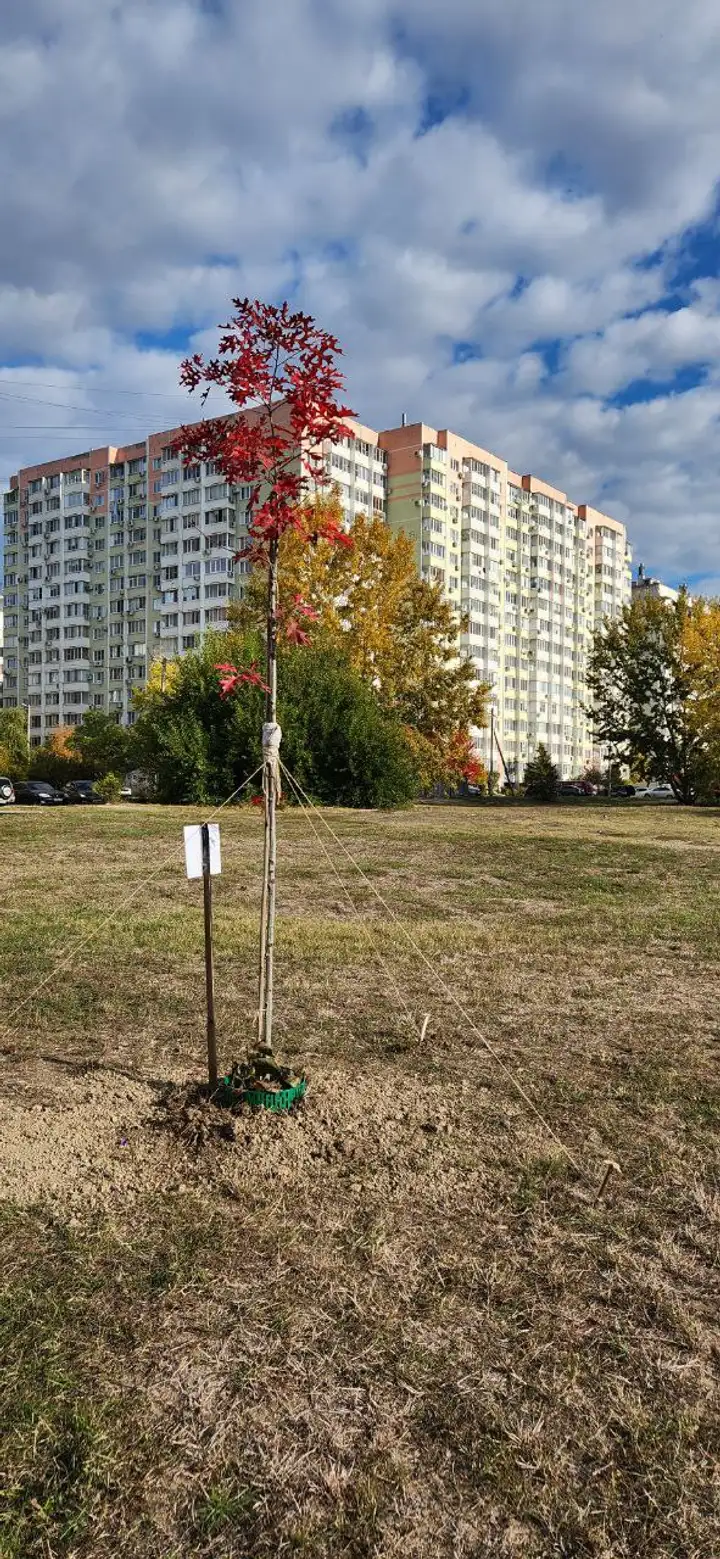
x=82 y=793
x=623 y=790
x=7 y=794
x=659 y=793
x=570 y=788
x=38 y=793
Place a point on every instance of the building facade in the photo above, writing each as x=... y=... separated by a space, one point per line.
x=533 y=574
x=121 y=556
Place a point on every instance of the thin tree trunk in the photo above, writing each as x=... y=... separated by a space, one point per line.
x=267 y=934
x=263 y=915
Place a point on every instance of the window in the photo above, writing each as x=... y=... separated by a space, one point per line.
x=192 y=544
x=216 y=566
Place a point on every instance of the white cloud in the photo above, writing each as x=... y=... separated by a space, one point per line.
x=160 y=155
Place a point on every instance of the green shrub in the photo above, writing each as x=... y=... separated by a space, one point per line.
x=109 y=787
x=337 y=740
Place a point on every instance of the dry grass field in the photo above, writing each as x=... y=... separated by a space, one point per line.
x=395 y=1323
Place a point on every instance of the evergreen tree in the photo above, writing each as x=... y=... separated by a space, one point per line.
x=542 y=780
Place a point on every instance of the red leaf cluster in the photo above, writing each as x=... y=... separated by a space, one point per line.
x=279 y=371
x=289 y=620
x=231 y=679
x=462 y=760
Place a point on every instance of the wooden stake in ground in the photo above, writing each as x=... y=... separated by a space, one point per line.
x=271 y=737
x=202 y=859
x=209 y=972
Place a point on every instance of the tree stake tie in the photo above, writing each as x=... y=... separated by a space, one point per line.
x=271 y=739
x=610 y=1165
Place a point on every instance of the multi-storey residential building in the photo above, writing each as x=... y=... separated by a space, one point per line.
x=121 y=556
x=645 y=586
x=610 y=563
x=518 y=560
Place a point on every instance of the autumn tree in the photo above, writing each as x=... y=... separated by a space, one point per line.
x=397 y=630
x=56 y=761
x=643 y=684
x=279 y=371
x=701 y=646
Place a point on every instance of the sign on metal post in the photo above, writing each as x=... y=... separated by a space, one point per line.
x=202 y=859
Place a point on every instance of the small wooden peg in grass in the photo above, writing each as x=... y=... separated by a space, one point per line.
x=609 y=1167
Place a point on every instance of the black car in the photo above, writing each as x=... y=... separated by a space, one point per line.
x=37 y=793
x=570 y=788
x=82 y=792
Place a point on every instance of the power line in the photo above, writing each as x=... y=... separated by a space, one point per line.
x=34 y=400
x=97 y=389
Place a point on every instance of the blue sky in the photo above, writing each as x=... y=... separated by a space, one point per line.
x=508 y=213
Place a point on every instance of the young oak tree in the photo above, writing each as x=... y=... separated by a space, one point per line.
x=395 y=629
x=279 y=371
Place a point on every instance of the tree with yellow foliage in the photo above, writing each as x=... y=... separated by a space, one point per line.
x=397 y=630
x=654 y=680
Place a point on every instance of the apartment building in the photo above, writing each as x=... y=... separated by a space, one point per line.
x=520 y=562
x=121 y=556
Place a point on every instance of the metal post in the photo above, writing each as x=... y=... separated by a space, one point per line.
x=209 y=976
x=492 y=739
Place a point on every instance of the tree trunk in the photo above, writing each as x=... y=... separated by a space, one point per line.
x=267 y=928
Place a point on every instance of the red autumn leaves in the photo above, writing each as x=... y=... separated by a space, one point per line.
x=279 y=371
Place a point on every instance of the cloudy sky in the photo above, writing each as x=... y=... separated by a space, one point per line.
x=506 y=210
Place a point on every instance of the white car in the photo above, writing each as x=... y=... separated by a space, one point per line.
x=659 y=793
x=7 y=793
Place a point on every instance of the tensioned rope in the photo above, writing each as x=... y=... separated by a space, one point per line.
x=10 y=1025
x=353 y=906
x=447 y=990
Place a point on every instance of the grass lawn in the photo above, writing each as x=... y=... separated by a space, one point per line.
x=396 y=1323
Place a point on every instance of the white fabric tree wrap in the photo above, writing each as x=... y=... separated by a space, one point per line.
x=271 y=739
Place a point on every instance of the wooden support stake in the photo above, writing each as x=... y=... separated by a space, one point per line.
x=209 y=976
